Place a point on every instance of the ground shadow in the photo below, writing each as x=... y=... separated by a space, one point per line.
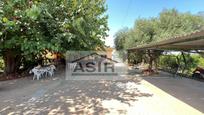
x=187 y=90
x=81 y=97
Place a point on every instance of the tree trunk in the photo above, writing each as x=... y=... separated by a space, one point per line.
x=185 y=63
x=156 y=65
x=12 y=62
x=150 y=59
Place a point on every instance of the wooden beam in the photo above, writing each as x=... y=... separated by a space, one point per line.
x=185 y=39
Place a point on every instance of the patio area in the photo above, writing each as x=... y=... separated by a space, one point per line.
x=151 y=95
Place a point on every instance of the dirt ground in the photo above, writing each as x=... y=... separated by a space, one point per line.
x=136 y=95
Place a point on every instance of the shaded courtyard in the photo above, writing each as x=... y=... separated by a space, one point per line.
x=134 y=95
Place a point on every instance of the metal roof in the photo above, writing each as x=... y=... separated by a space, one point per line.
x=191 y=41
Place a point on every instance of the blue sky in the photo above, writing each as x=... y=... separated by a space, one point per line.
x=123 y=13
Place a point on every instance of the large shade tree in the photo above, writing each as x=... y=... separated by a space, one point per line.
x=29 y=27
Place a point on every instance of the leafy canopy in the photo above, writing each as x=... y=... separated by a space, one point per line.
x=168 y=24
x=29 y=27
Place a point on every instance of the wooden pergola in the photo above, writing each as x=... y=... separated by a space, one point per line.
x=192 y=41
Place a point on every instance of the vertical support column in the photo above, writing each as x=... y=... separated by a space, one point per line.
x=128 y=53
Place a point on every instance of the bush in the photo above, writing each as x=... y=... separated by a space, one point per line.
x=171 y=62
x=167 y=61
x=191 y=61
x=200 y=60
x=136 y=57
x=1 y=64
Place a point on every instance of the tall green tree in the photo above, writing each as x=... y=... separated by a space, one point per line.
x=168 y=24
x=172 y=23
x=29 y=27
x=120 y=38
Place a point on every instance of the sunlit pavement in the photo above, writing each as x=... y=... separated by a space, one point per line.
x=133 y=96
x=161 y=103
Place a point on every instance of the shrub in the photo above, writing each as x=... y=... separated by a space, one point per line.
x=167 y=61
x=1 y=64
x=192 y=61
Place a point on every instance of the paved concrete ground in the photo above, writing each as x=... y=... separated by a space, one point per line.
x=157 y=95
x=188 y=91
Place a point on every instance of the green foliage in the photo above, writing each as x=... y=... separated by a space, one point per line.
x=136 y=57
x=56 y=25
x=33 y=12
x=168 y=24
x=1 y=64
x=172 y=23
x=29 y=27
x=199 y=59
x=120 y=38
x=167 y=61
x=192 y=61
